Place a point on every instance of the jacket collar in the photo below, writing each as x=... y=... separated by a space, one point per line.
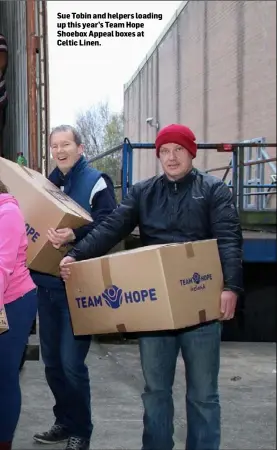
x=59 y=179
x=182 y=182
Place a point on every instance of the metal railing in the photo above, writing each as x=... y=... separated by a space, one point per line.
x=110 y=162
x=118 y=163
x=242 y=180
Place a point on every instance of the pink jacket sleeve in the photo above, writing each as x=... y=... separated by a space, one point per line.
x=10 y=237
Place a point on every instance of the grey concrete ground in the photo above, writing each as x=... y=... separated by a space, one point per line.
x=248 y=393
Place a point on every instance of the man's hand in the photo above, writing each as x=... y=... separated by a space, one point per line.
x=64 y=269
x=60 y=237
x=228 y=305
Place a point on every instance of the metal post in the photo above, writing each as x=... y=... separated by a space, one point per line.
x=125 y=169
x=157 y=93
x=130 y=166
x=45 y=67
x=235 y=175
x=31 y=76
x=241 y=178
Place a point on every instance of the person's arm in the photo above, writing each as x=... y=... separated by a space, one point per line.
x=10 y=236
x=117 y=226
x=226 y=228
x=102 y=201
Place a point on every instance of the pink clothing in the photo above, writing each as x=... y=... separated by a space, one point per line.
x=15 y=279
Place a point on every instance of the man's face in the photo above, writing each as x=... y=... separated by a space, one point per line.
x=176 y=161
x=64 y=150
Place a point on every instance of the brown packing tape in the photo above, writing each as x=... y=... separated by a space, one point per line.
x=64 y=199
x=57 y=194
x=189 y=250
x=106 y=272
x=121 y=328
x=202 y=316
x=26 y=171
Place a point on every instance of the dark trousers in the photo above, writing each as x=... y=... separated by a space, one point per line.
x=200 y=348
x=20 y=314
x=64 y=357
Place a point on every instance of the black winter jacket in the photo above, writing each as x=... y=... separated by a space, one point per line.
x=197 y=207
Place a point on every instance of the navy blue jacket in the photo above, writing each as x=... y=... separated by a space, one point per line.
x=92 y=190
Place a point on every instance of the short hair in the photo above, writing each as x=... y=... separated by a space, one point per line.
x=76 y=135
x=3 y=188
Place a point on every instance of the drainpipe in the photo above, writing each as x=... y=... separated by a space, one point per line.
x=32 y=48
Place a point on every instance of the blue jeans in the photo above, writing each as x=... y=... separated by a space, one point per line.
x=64 y=357
x=20 y=314
x=200 y=348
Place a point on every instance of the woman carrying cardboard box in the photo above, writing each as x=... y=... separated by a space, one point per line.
x=18 y=297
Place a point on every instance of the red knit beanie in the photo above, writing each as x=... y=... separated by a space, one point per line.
x=176 y=134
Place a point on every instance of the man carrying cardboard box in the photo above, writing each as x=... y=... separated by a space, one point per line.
x=62 y=353
x=182 y=205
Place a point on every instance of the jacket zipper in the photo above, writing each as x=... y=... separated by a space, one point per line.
x=175 y=189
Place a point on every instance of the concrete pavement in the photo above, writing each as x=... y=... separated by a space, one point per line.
x=248 y=396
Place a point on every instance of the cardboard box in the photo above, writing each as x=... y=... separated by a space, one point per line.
x=44 y=206
x=160 y=287
x=4 y=326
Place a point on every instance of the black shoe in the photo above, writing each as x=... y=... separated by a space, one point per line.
x=76 y=443
x=56 y=434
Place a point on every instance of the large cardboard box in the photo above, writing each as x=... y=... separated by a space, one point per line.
x=160 y=287
x=44 y=206
x=4 y=326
